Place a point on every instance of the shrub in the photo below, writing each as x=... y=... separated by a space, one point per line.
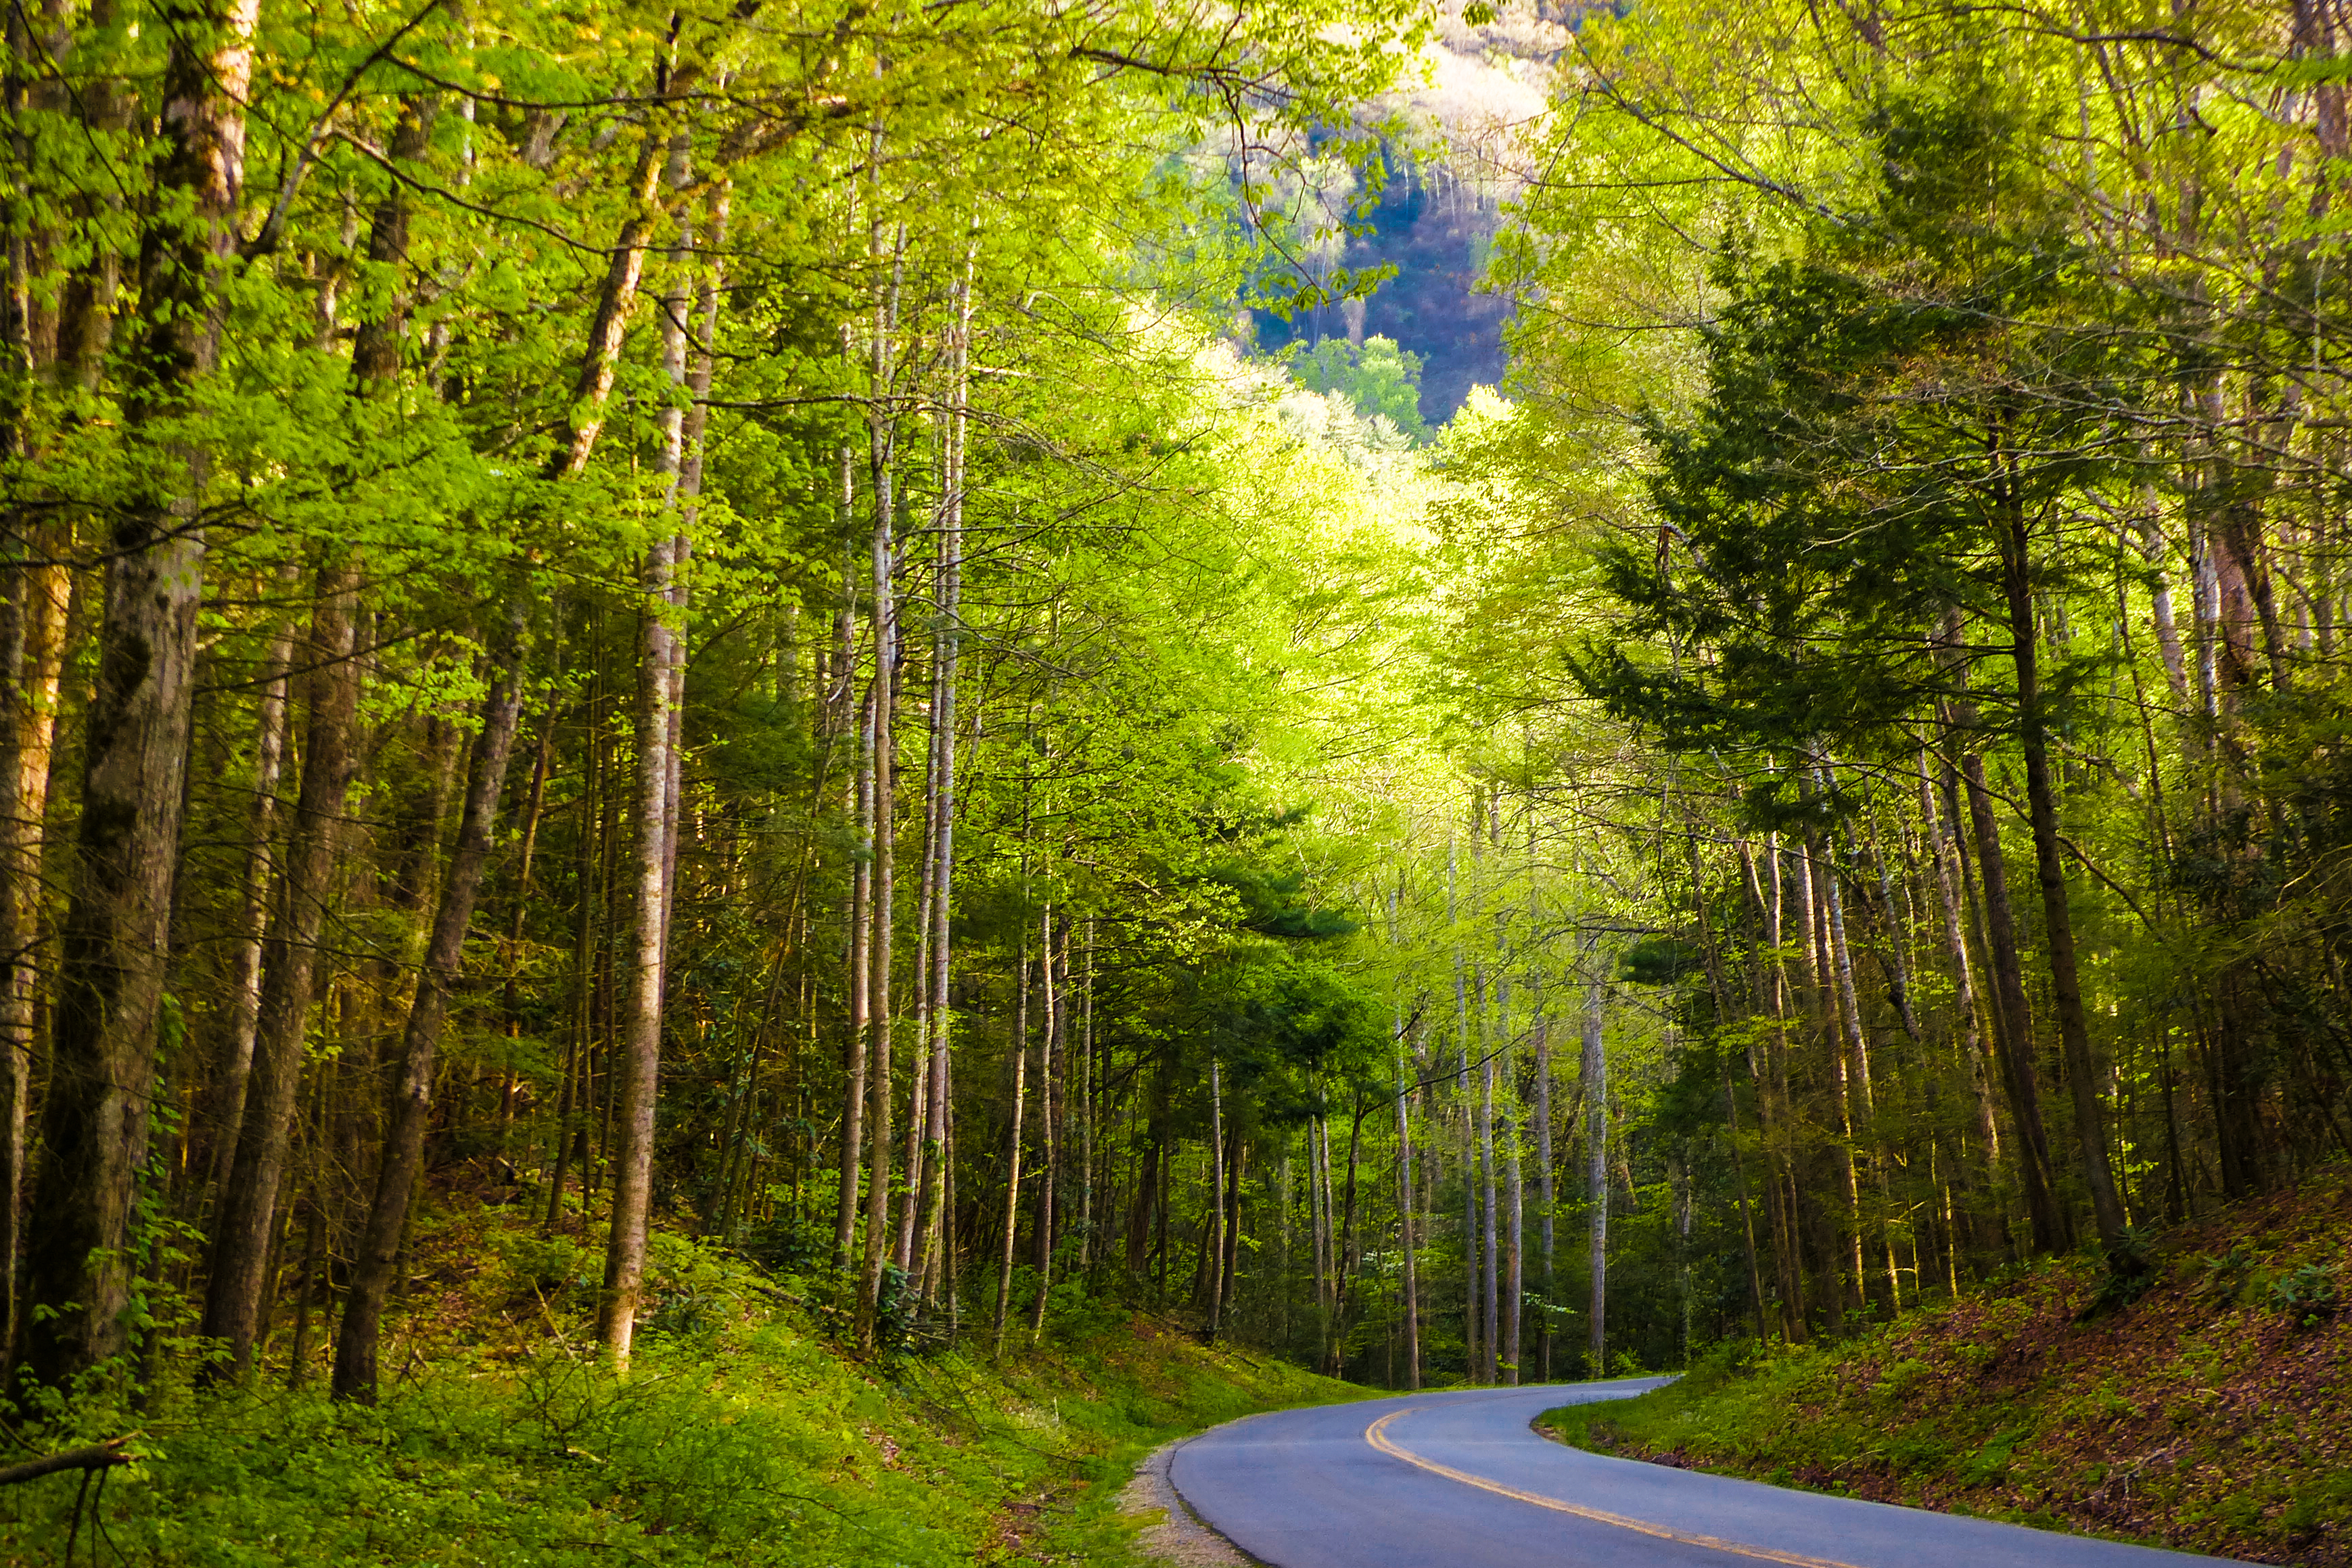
x=2223 y=1279
x=2306 y=1294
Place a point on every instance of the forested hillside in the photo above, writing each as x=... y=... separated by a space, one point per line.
x=643 y=635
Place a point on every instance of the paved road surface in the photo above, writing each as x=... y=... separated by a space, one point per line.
x=1460 y=1481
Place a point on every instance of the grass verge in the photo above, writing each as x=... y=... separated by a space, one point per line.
x=741 y=1435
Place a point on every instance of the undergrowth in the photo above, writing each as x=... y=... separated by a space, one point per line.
x=2206 y=1407
x=742 y=1435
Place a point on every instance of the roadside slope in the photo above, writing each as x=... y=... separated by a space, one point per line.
x=2214 y=1414
x=742 y=1433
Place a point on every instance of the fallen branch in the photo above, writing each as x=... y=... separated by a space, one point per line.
x=97 y=1457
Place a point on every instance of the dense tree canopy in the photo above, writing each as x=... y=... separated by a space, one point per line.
x=656 y=618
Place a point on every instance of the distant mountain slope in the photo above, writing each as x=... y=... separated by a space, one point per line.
x=1438 y=214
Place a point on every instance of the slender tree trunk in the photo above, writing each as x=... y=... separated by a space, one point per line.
x=1088 y=1105
x=1012 y=1151
x=1406 y=1240
x=1861 y=1107
x=1945 y=853
x=1050 y=1051
x=947 y=645
x=246 y=1218
x=1472 y=1317
x=640 y=1034
x=1217 y=1189
x=412 y=1104
x=2058 y=921
x=1350 y=1260
x=227 y=1108
x=1772 y=1089
x=1490 y=1336
x=1515 y=1210
x=2012 y=1028
x=1546 y=1219
x=861 y=935
x=1596 y=1096
x=592 y=388
x=918 y=1135
x=662 y=659
x=33 y=648
x=1230 y=1229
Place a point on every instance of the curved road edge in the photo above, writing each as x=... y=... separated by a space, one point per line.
x=1460 y=1479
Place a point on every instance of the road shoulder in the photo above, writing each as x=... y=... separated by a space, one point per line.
x=1178 y=1536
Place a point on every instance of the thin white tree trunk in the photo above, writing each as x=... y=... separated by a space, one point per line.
x=1050 y=1096
x=1405 y=1238
x=1514 y=1285
x=1596 y=1098
x=1217 y=1188
x=1489 y=1339
x=1012 y=1149
x=661 y=658
x=947 y=645
x=253 y=922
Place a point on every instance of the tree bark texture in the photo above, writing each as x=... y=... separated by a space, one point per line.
x=412 y=1098
x=246 y=1215
x=95 y=1119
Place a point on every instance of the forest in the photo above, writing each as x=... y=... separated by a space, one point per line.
x=702 y=631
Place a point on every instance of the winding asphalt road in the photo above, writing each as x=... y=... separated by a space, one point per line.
x=1462 y=1480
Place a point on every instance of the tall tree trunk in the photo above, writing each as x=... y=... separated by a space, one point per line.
x=412 y=1104
x=2058 y=921
x=1515 y=1209
x=1350 y=1254
x=1230 y=1231
x=226 y=1111
x=861 y=966
x=1596 y=1096
x=1217 y=1188
x=1490 y=1327
x=947 y=644
x=1944 y=852
x=1546 y=1220
x=1860 y=1109
x=95 y=1120
x=1472 y=1318
x=661 y=659
x=33 y=649
x=2012 y=1026
x=1051 y=1098
x=238 y=1283
x=918 y=1133
x=1087 y=1104
x=1405 y=1238
x=883 y=440
x=1013 y=1149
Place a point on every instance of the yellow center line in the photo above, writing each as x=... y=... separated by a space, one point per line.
x=1379 y=1438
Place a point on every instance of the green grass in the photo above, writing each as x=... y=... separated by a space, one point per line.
x=1756 y=1417
x=740 y=1437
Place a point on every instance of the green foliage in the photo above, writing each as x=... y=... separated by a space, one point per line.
x=2223 y=1280
x=1382 y=380
x=2307 y=1293
x=738 y=1434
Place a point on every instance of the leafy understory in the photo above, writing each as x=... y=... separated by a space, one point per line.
x=2213 y=1412
x=741 y=1435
